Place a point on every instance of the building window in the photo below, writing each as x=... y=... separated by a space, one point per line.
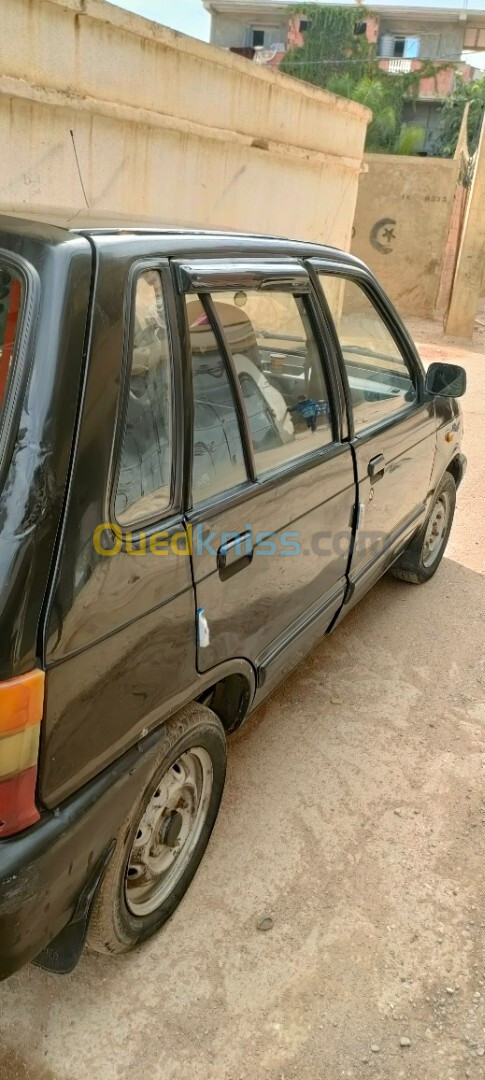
x=265 y=37
x=412 y=48
x=360 y=29
x=399 y=47
x=304 y=25
x=257 y=39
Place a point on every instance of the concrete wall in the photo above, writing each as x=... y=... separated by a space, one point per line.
x=229 y=31
x=401 y=226
x=451 y=250
x=470 y=264
x=167 y=126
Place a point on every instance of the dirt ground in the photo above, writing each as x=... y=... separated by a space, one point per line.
x=354 y=816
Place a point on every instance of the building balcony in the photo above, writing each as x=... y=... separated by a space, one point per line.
x=431 y=87
x=270 y=57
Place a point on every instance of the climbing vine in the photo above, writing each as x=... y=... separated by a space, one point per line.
x=331 y=44
x=336 y=55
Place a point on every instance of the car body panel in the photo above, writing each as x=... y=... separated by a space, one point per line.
x=33 y=478
x=285 y=512
x=133 y=611
x=117 y=635
x=44 y=869
x=394 y=504
x=274 y=591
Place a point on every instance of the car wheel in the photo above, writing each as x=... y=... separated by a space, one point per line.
x=162 y=841
x=421 y=559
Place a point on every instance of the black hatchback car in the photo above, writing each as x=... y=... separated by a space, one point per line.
x=211 y=446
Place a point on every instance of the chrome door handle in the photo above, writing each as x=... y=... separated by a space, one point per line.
x=234 y=555
x=376 y=467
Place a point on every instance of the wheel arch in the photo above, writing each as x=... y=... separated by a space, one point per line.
x=456 y=468
x=230 y=698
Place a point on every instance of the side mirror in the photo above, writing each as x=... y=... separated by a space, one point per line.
x=446 y=380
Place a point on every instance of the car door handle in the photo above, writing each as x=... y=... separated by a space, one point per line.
x=376 y=467
x=234 y=555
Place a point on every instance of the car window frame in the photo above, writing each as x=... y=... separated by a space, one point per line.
x=380 y=301
x=22 y=355
x=227 y=359
x=204 y=277
x=173 y=511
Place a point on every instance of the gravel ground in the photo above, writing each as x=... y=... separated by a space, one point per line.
x=353 y=818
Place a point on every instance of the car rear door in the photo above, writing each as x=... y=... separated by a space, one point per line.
x=392 y=424
x=272 y=487
x=120 y=618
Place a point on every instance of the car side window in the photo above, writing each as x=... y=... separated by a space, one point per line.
x=380 y=380
x=278 y=365
x=218 y=459
x=145 y=477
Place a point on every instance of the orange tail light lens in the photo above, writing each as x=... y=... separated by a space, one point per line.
x=21 y=708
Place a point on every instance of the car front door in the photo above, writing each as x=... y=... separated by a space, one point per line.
x=272 y=488
x=392 y=424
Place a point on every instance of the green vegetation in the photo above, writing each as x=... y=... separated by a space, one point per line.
x=386 y=133
x=337 y=56
x=332 y=46
x=451 y=116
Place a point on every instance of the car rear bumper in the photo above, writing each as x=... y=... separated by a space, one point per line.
x=44 y=869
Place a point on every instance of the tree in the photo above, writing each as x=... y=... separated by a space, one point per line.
x=386 y=132
x=451 y=116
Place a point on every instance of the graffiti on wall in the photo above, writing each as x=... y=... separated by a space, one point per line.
x=382 y=235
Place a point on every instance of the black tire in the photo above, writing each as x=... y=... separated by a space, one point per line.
x=113 y=927
x=412 y=565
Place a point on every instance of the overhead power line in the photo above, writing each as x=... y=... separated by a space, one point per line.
x=376 y=59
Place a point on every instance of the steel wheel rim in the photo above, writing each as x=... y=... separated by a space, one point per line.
x=169 y=831
x=436 y=530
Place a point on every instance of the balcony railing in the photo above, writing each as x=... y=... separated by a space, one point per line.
x=399 y=67
x=436 y=86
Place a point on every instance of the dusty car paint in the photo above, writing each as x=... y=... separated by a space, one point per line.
x=116 y=636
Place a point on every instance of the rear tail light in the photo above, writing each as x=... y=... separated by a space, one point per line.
x=21 y=708
x=10 y=301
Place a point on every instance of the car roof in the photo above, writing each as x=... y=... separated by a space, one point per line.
x=56 y=227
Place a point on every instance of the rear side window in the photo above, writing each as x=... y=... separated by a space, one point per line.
x=11 y=299
x=145 y=478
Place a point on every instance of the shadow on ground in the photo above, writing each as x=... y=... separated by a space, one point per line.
x=354 y=815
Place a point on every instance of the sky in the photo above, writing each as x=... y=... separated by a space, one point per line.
x=189 y=16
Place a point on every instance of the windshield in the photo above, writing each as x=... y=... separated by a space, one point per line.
x=10 y=307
